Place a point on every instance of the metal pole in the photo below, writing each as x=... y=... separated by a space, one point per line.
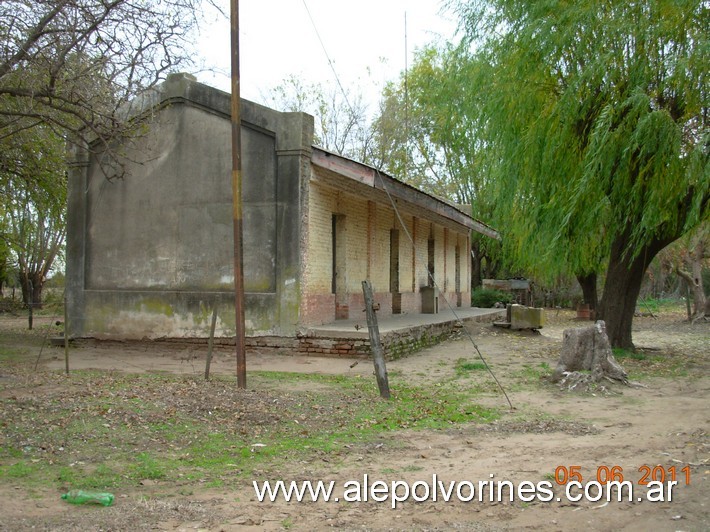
x=237 y=199
x=66 y=336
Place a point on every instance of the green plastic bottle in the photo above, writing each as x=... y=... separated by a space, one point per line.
x=88 y=497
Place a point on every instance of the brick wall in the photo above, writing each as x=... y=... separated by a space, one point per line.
x=356 y=212
x=318 y=263
x=394 y=345
x=405 y=260
x=380 y=258
x=366 y=227
x=319 y=308
x=411 y=303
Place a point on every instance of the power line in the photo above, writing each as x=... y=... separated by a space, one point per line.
x=394 y=206
x=327 y=56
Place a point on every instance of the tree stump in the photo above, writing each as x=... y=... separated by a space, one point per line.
x=587 y=349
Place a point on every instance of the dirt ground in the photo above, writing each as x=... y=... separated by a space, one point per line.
x=664 y=421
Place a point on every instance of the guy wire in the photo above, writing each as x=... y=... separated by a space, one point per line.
x=458 y=319
x=330 y=62
x=394 y=206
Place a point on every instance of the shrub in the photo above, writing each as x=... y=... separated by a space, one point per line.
x=487 y=298
x=12 y=306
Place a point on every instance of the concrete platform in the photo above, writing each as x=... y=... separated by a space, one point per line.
x=400 y=334
x=357 y=328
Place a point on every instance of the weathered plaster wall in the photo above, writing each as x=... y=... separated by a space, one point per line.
x=166 y=224
x=151 y=252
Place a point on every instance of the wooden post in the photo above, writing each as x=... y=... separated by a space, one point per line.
x=378 y=356
x=211 y=343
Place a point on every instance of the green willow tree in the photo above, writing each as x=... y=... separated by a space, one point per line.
x=596 y=118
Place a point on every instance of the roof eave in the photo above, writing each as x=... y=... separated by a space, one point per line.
x=376 y=179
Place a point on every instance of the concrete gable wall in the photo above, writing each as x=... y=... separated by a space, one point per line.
x=150 y=254
x=156 y=228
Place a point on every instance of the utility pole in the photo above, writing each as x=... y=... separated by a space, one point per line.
x=237 y=199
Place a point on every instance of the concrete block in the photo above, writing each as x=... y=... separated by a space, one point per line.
x=521 y=317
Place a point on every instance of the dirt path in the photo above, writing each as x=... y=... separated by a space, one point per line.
x=665 y=422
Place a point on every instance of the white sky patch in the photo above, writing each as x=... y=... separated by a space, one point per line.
x=365 y=40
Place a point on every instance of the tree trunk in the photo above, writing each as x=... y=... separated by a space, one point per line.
x=699 y=299
x=3 y=274
x=588 y=282
x=587 y=348
x=476 y=266
x=37 y=282
x=490 y=271
x=622 y=287
x=695 y=280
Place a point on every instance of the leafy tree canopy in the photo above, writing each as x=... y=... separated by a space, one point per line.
x=32 y=216
x=429 y=124
x=597 y=115
x=594 y=119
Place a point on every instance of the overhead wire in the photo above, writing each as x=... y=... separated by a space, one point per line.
x=327 y=56
x=458 y=319
x=396 y=210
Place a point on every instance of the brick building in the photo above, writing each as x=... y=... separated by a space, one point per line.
x=149 y=250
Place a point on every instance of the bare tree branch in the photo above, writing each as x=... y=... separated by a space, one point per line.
x=76 y=64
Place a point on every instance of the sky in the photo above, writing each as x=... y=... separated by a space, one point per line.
x=364 y=39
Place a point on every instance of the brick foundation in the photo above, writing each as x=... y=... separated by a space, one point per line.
x=396 y=344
